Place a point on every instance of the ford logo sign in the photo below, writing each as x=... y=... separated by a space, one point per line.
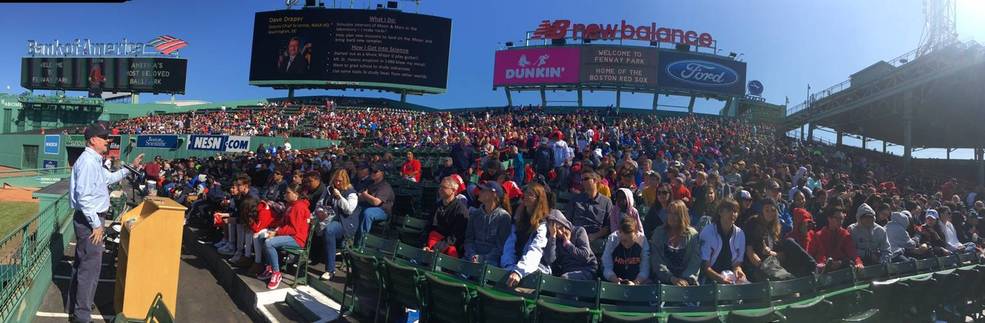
x=702 y=73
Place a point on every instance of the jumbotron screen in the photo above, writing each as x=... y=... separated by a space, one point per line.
x=105 y=74
x=351 y=48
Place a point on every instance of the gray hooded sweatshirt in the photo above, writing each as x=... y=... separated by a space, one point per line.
x=870 y=242
x=899 y=238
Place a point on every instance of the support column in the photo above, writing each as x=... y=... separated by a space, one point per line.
x=810 y=131
x=981 y=166
x=543 y=97
x=580 y=102
x=290 y=94
x=884 y=146
x=618 y=100
x=403 y=97
x=801 y=132
x=948 y=153
x=865 y=142
x=907 y=131
x=656 y=99
x=690 y=106
x=838 y=136
x=509 y=96
x=135 y=98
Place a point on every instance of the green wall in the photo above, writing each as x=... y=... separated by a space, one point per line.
x=13 y=151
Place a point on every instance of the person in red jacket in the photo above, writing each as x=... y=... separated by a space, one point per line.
x=680 y=191
x=259 y=221
x=292 y=232
x=803 y=228
x=412 y=168
x=832 y=247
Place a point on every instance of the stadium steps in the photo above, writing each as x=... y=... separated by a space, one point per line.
x=319 y=302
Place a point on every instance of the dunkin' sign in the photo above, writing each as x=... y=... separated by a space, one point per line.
x=536 y=66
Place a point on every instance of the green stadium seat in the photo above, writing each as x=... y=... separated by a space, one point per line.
x=500 y=304
x=623 y=303
x=445 y=265
x=800 y=294
x=303 y=255
x=837 y=287
x=414 y=256
x=566 y=300
x=895 y=270
x=404 y=285
x=747 y=302
x=449 y=299
x=364 y=284
x=689 y=304
x=412 y=231
x=158 y=311
x=377 y=246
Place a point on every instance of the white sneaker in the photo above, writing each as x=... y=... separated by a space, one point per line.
x=326 y=276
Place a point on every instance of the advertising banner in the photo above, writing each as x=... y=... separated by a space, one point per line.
x=75 y=141
x=632 y=67
x=536 y=66
x=157 y=141
x=237 y=144
x=51 y=144
x=114 y=146
x=232 y=144
x=49 y=164
x=686 y=71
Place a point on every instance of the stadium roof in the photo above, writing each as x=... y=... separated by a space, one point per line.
x=946 y=90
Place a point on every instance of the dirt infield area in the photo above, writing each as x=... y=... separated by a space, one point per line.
x=16 y=194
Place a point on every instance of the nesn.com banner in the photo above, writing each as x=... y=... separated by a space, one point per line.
x=157 y=141
x=704 y=73
x=232 y=144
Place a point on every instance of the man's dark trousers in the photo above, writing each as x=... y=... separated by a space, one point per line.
x=88 y=264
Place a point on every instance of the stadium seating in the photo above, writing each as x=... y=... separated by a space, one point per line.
x=470 y=292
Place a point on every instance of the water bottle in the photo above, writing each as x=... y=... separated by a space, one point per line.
x=729 y=276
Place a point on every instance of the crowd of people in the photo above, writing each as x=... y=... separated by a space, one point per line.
x=628 y=199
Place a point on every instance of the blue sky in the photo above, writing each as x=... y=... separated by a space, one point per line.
x=787 y=44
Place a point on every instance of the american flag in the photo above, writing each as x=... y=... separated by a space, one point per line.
x=167 y=44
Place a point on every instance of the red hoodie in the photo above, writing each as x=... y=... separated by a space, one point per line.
x=295 y=222
x=265 y=218
x=800 y=216
x=836 y=244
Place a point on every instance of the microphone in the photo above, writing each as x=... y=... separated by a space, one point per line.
x=130 y=168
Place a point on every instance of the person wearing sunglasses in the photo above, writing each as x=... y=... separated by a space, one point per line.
x=656 y=216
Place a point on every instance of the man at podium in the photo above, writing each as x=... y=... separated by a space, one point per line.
x=89 y=196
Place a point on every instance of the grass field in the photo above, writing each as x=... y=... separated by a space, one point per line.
x=13 y=214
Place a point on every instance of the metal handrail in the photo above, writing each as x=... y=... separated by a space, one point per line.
x=897 y=61
x=22 y=252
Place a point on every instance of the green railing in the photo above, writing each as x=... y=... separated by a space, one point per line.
x=35 y=172
x=22 y=253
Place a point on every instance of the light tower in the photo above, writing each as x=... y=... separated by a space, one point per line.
x=940 y=26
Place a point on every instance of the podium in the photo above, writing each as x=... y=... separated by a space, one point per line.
x=149 y=256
